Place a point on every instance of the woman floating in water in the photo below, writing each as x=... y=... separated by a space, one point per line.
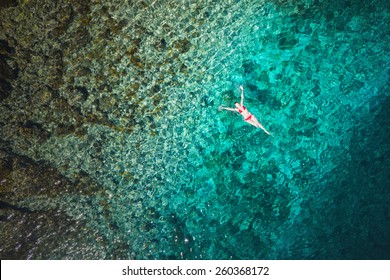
x=243 y=111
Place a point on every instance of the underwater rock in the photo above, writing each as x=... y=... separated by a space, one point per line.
x=156 y=88
x=34 y=131
x=249 y=66
x=183 y=45
x=6 y=72
x=84 y=92
x=286 y=41
x=160 y=45
x=5 y=49
x=8 y=3
x=5 y=90
x=6 y=205
x=263 y=77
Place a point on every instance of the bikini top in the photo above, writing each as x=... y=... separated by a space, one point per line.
x=240 y=111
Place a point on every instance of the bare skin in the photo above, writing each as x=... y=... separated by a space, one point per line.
x=243 y=111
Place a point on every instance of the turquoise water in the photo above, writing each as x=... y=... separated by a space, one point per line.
x=136 y=162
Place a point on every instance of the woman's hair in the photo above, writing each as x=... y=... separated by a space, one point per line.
x=235 y=102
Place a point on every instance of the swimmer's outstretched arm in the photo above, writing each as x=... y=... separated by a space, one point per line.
x=220 y=108
x=242 y=95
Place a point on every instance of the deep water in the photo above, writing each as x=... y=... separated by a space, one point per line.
x=112 y=145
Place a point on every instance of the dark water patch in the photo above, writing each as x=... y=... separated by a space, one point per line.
x=355 y=211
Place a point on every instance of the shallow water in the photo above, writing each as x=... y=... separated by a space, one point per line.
x=113 y=146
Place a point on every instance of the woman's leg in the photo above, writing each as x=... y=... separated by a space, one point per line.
x=256 y=123
x=252 y=123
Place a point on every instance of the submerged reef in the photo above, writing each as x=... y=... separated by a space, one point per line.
x=112 y=147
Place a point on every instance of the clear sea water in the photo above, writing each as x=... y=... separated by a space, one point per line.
x=155 y=171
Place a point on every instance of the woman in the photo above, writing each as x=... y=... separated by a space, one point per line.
x=243 y=111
